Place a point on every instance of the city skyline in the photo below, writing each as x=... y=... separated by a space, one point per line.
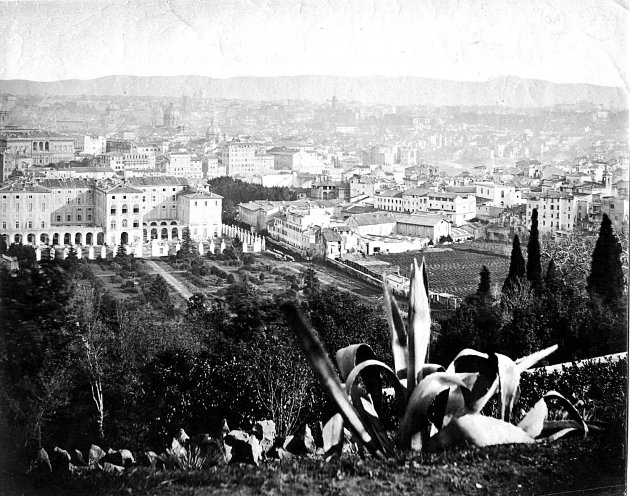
x=547 y=40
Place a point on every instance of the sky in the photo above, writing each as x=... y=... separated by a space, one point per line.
x=562 y=41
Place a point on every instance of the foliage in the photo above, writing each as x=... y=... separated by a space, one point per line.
x=188 y=249
x=606 y=279
x=157 y=294
x=534 y=268
x=598 y=388
x=517 y=266
x=235 y=191
x=484 y=282
x=450 y=401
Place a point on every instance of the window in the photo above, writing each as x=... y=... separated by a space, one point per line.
x=124 y=208
x=112 y=211
x=136 y=223
x=43 y=224
x=124 y=223
x=17 y=207
x=112 y=225
x=79 y=217
x=43 y=206
x=89 y=217
x=136 y=209
x=4 y=225
x=17 y=224
x=68 y=217
x=58 y=218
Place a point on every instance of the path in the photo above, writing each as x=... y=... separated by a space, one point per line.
x=169 y=278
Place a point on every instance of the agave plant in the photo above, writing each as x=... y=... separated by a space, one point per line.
x=436 y=407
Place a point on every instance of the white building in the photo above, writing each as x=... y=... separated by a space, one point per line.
x=500 y=195
x=556 y=211
x=181 y=164
x=94 y=146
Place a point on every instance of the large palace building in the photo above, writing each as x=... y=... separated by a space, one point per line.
x=88 y=212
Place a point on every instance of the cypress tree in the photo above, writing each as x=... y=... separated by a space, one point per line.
x=484 y=282
x=606 y=279
x=517 y=266
x=534 y=268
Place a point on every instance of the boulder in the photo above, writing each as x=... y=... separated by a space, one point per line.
x=302 y=443
x=122 y=457
x=182 y=437
x=77 y=457
x=151 y=459
x=95 y=455
x=241 y=447
x=265 y=431
x=40 y=464
x=61 y=460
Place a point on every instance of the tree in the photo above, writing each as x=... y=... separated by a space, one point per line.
x=534 y=269
x=3 y=245
x=122 y=258
x=606 y=280
x=94 y=343
x=159 y=296
x=237 y=246
x=188 y=249
x=484 y=282
x=552 y=280
x=517 y=266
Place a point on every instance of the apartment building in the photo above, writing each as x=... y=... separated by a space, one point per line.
x=181 y=164
x=43 y=147
x=556 y=211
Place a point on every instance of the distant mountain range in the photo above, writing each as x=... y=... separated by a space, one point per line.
x=507 y=91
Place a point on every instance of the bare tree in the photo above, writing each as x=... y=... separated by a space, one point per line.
x=283 y=384
x=94 y=339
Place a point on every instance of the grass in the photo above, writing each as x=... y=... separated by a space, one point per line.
x=568 y=465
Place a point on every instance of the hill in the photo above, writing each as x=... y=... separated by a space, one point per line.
x=407 y=90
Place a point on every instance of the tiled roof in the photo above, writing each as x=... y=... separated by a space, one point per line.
x=201 y=194
x=420 y=220
x=121 y=188
x=67 y=183
x=371 y=219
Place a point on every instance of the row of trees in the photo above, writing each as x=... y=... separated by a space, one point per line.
x=235 y=191
x=585 y=315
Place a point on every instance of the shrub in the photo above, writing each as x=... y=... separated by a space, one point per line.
x=230 y=279
x=598 y=387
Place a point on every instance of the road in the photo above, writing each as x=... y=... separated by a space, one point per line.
x=169 y=278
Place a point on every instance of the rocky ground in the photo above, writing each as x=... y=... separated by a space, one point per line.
x=575 y=466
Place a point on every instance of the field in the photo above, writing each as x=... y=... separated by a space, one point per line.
x=455 y=271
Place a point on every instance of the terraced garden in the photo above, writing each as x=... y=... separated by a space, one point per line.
x=453 y=271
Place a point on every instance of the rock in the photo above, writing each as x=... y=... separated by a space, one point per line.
x=40 y=464
x=265 y=431
x=279 y=453
x=302 y=443
x=182 y=437
x=110 y=468
x=122 y=457
x=242 y=447
x=151 y=459
x=95 y=455
x=77 y=457
x=60 y=460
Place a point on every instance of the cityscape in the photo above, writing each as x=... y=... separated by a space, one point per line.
x=314 y=249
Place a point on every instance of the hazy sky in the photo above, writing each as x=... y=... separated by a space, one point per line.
x=561 y=41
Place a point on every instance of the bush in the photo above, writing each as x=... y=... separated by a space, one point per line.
x=600 y=388
x=248 y=259
x=230 y=279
